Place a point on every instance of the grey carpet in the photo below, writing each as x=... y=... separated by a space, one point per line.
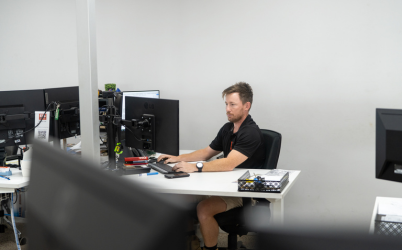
x=7 y=239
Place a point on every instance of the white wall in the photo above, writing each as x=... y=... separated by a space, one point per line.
x=318 y=69
x=38 y=44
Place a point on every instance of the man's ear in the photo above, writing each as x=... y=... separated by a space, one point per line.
x=248 y=106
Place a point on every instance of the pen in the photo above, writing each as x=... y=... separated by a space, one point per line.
x=152 y=173
x=5 y=177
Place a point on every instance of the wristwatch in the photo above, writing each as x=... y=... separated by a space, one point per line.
x=200 y=165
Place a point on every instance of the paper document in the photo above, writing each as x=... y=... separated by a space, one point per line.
x=392 y=218
x=392 y=208
x=42 y=130
x=274 y=175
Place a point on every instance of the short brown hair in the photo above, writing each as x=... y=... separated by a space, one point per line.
x=244 y=89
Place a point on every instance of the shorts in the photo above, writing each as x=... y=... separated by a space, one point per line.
x=231 y=202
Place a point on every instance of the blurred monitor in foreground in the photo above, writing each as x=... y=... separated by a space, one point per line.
x=318 y=239
x=74 y=205
x=389 y=144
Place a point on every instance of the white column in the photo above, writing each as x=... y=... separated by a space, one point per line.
x=88 y=79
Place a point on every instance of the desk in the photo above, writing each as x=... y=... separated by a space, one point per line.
x=216 y=184
x=8 y=186
x=395 y=228
x=16 y=181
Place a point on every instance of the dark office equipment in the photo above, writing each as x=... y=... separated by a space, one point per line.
x=389 y=144
x=329 y=239
x=234 y=221
x=164 y=138
x=177 y=175
x=17 y=118
x=144 y=94
x=69 y=200
x=102 y=103
x=161 y=167
x=65 y=115
x=110 y=118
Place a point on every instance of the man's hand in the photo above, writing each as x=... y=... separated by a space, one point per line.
x=168 y=158
x=185 y=167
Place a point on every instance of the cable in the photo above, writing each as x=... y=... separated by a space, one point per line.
x=40 y=118
x=132 y=133
x=14 y=227
x=16 y=196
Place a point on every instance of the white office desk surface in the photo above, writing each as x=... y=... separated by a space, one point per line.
x=378 y=202
x=16 y=181
x=216 y=184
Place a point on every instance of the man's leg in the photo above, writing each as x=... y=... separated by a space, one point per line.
x=206 y=210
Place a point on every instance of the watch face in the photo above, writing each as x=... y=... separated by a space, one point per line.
x=200 y=165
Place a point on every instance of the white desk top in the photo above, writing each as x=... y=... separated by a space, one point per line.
x=381 y=201
x=209 y=183
x=16 y=181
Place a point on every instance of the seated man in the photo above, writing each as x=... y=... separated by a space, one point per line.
x=242 y=144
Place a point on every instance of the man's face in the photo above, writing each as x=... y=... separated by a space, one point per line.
x=235 y=109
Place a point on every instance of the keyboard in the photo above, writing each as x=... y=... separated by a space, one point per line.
x=161 y=167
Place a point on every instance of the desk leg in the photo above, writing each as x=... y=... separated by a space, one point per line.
x=277 y=211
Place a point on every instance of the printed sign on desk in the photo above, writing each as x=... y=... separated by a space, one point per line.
x=42 y=130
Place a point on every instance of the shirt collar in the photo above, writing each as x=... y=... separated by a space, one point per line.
x=244 y=123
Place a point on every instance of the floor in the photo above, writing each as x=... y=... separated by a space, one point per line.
x=247 y=240
x=7 y=239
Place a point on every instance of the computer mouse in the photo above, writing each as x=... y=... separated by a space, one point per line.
x=152 y=160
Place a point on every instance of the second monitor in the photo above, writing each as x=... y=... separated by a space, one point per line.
x=166 y=124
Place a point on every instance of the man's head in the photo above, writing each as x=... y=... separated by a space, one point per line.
x=238 y=99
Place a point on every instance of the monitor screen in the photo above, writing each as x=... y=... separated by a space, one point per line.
x=70 y=199
x=166 y=114
x=389 y=144
x=12 y=104
x=145 y=94
x=69 y=122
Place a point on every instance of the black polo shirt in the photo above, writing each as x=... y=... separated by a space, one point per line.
x=248 y=140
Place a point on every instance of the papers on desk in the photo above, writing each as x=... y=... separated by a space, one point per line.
x=391 y=208
x=390 y=211
x=275 y=175
x=5 y=171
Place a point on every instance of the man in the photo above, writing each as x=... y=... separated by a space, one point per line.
x=242 y=144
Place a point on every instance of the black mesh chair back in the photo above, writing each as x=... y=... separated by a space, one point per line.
x=272 y=142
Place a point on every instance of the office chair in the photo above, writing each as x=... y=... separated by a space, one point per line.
x=11 y=153
x=233 y=221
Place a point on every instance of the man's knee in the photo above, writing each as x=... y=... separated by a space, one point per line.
x=210 y=207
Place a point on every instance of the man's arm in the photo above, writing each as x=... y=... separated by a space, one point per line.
x=234 y=159
x=199 y=155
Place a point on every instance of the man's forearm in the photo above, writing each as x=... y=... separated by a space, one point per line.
x=199 y=155
x=219 y=165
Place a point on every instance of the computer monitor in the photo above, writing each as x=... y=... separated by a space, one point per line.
x=75 y=205
x=145 y=93
x=69 y=122
x=166 y=133
x=17 y=117
x=389 y=144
